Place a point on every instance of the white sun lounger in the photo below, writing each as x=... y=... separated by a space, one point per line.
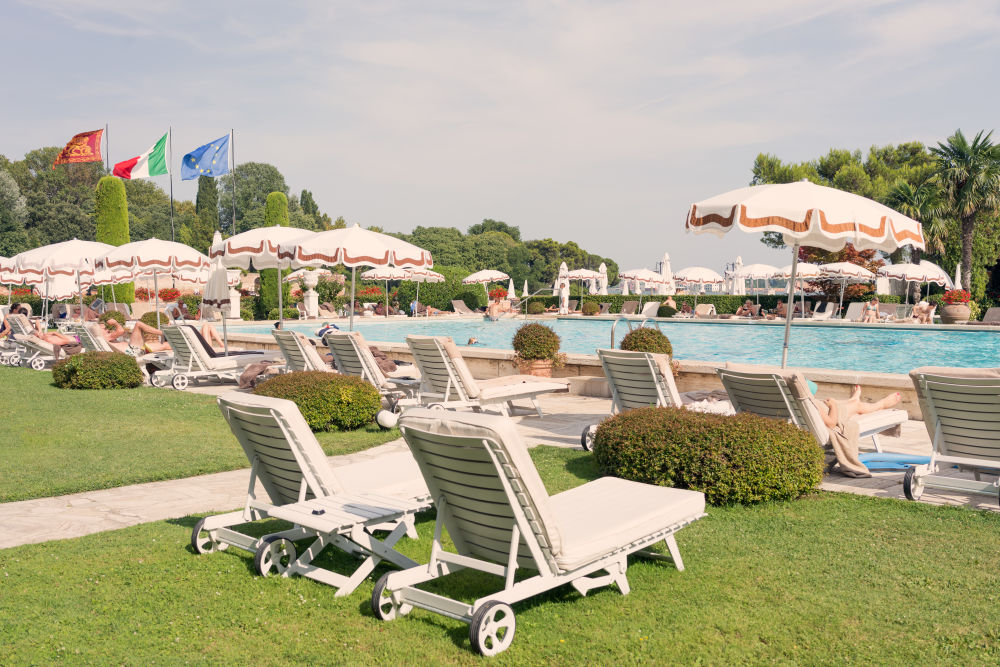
x=961 y=408
x=303 y=489
x=446 y=380
x=705 y=310
x=650 y=309
x=765 y=391
x=854 y=311
x=193 y=362
x=299 y=353
x=351 y=353
x=498 y=515
x=36 y=353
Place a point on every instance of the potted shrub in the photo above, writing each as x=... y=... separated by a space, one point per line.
x=955 y=307
x=590 y=308
x=536 y=349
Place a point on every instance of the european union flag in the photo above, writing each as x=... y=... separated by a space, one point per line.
x=210 y=160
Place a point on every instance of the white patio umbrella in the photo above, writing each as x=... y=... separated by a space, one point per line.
x=937 y=275
x=7 y=276
x=644 y=276
x=386 y=273
x=156 y=258
x=216 y=294
x=802 y=270
x=806 y=214
x=563 y=280
x=511 y=290
x=739 y=284
x=758 y=272
x=261 y=246
x=957 y=281
x=354 y=247
x=584 y=275
x=624 y=284
x=602 y=288
x=698 y=275
x=846 y=272
x=484 y=278
x=73 y=259
x=424 y=276
x=524 y=294
x=924 y=272
x=668 y=286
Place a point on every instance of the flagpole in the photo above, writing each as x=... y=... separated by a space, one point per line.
x=170 y=171
x=232 y=148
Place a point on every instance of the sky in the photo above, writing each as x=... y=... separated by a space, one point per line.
x=598 y=122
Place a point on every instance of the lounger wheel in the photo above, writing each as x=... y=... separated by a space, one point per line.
x=275 y=554
x=38 y=364
x=912 y=488
x=14 y=360
x=202 y=541
x=157 y=380
x=587 y=438
x=492 y=628
x=383 y=606
x=179 y=382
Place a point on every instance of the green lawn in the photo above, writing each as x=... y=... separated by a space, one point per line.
x=829 y=579
x=63 y=441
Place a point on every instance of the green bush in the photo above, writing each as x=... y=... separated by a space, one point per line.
x=590 y=308
x=97 y=370
x=111 y=315
x=149 y=319
x=647 y=339
x=193 y=304
x=328 y=401
x=290 y=314
x=536 y=308
x=473 y=298
x=666 y=311
x=246 y=314
x=536 y=341
x=731 y=459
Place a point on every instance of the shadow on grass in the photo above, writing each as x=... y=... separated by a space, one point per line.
x=583 y=467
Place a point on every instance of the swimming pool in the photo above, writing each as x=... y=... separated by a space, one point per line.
x=884 y=350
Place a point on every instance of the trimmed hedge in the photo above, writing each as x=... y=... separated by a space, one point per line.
x=328 y=401
x=590 y=308
x=731 y=459
x=536 y=341
x=97 y=370
x=290 y=314
x=647 y=339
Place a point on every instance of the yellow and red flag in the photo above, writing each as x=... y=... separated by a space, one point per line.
x=84 y=147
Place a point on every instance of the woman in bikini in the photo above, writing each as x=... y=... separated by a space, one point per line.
x=871 y=311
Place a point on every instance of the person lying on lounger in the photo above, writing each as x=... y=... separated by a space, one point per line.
x=746 y=310
x=136 y=341
x=844 y=410
x=923 y=313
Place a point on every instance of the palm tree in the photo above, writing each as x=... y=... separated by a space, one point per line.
x=924 y=203
x=969 y=174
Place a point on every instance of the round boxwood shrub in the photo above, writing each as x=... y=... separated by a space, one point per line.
x=590 y=308
x=535 y=308
x=647 y=339
x=246 y=314
x=536 y=341
x=731 y=459
x=328 y=401
x=97 y=370
x=666 y=311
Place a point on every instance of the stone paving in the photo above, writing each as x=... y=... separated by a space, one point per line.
x=68 y=516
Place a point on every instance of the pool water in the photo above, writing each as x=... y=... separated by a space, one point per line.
x=883 y=350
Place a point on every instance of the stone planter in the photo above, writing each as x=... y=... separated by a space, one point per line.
x=955 y=312
x=538 y=367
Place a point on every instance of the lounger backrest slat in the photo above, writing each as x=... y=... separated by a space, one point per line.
x=351 y=353
x=636 y=381
x=187 y=357
x=629 y=307
x=20 y=324
x=964 y=414
x=295 y=359
x=438 y=373
x=854 y=311
x=470 y=462
x=762 y=394
x=273 y=433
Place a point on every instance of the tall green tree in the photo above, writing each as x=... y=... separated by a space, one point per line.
x=111 y=213
x=207 y=215
x=488 y=225
x=275 y=214
x=13 y=214
x=969 y=173
x=254 y=182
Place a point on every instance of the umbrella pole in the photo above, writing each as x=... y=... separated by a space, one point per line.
x=843 y=284
x=353 y=269
x=80 y=290
x=386 y=299
x=791 y=303
x=156 y=291
x=416 y=307
x=225 y=332
x=281 y=307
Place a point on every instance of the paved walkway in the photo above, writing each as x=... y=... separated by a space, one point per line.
x=68 y=516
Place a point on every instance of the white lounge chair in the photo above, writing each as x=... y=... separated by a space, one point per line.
x=303 y=489
x=705 y=310
x=299 y=353
x=824 y=311
x=458 y=305
x=960 y=408
x=649 y=309
x=352 y=356
x=854 y=311
x=36 y=353
x=89 y=339
x=192 y=361
x=490 y=498
x=446 y=380
x=765 y=391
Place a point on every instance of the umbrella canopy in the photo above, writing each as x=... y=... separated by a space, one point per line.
x=739 y=285
x=386 y=273
x=260 y=245
x=424 y=276
x=642 y=276
x=353 y=246
x=583 y=274
x=603 y=283
x=74 y=258
x=525 y=292
x=846 y=270
x=803 y=270
x=699 y=275
x=300 y=274
x=485 y=276
x=216 y=294
x=806 y=214
x=7 y=270
x=624 y=284
x=935 y=274
x=511 y=290
x=758 y=271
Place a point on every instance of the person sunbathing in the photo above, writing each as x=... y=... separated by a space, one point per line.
x=836 y=411
x=923 y=313
x=670 y=302
x=59 y=342
x=136 y=337
x=211 y=334
x=686 y=308
x=746 y=310
x=870 y=315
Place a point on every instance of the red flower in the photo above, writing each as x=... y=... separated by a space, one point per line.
x=169 y=294
x=956 y=296
x=498 y=293
x=141 y=294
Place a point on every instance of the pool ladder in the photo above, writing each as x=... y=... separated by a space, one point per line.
x=642 y=323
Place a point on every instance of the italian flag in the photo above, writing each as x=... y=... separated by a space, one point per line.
x=151 y=163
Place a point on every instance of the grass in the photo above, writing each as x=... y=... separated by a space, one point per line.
x=64 y=441
x=829 y=579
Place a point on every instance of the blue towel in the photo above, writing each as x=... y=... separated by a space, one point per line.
x=891 y=460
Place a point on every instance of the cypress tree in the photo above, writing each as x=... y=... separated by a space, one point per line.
x=207 y=209
x=275 y=214
x=111 y=206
